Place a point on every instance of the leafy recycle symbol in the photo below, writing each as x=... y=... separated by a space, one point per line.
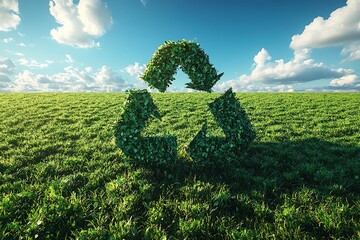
x=139 y=107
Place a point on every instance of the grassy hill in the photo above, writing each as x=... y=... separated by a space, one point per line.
x=61 y=175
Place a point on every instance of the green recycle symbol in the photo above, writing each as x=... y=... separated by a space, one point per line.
x=139 y=107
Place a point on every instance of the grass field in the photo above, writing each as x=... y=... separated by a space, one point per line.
x=61 y=175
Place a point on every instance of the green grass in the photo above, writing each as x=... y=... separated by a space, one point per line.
x=61 y=175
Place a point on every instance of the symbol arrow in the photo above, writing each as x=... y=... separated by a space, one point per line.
x=232 y=119
x=187 y=55
x=139 y=107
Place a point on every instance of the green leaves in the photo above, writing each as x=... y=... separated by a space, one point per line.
x=159 y=74
x=138 y=109
x=205 y=151
x=192 y=60
x=232 y=118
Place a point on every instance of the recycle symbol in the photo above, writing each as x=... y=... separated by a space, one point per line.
x=139 y=107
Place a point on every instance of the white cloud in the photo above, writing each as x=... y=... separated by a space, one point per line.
x=68 y=58
x=301 y=55
x=136 y=69
x=284 y=88
x=95 y=17
x=22 y=44
x=70 y=80
x=107 y=76
x=7 y=66
x=104 y=80
x=81 y=23
x=352 y=50
x=300 y=69
x=250 y=87
x=349 y=80
x=33 y=63
x=9 y=15
x=30 y=82
x=262 y=57
x=8 y=40
x=19 y=54
x=88 y=69
x=342 y=28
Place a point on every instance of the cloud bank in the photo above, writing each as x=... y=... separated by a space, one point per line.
x=70 y=80
x=33 y=63
x=9 y=15
x=342 y=28
x=8 y=40
x=136 y=69
x=352 y=51
x=301 y=68
x=349 y=80
x=80 y=24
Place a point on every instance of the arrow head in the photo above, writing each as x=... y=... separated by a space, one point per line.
x=232 y=118
x=139 y=107
x=210 y=151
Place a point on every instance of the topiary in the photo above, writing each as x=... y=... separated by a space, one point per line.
x=139 y=108
x=189 y=57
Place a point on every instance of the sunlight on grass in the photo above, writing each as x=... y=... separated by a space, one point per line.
x=61 y=174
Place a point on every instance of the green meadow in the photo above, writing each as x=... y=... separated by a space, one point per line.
x=62 y=177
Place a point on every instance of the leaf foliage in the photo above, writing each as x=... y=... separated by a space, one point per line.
x=233 y=120
x=189 y=57
x=139 y=108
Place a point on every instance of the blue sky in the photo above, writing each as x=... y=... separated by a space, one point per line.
x=103 y=45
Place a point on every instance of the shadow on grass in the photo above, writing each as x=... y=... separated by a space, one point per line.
x=284 y=166
x=288 y=190
x=274 y=189
x=309 y=163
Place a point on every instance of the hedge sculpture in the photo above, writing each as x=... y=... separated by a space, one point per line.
x=189 y=57
x=236 y=126
x=139 y=108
